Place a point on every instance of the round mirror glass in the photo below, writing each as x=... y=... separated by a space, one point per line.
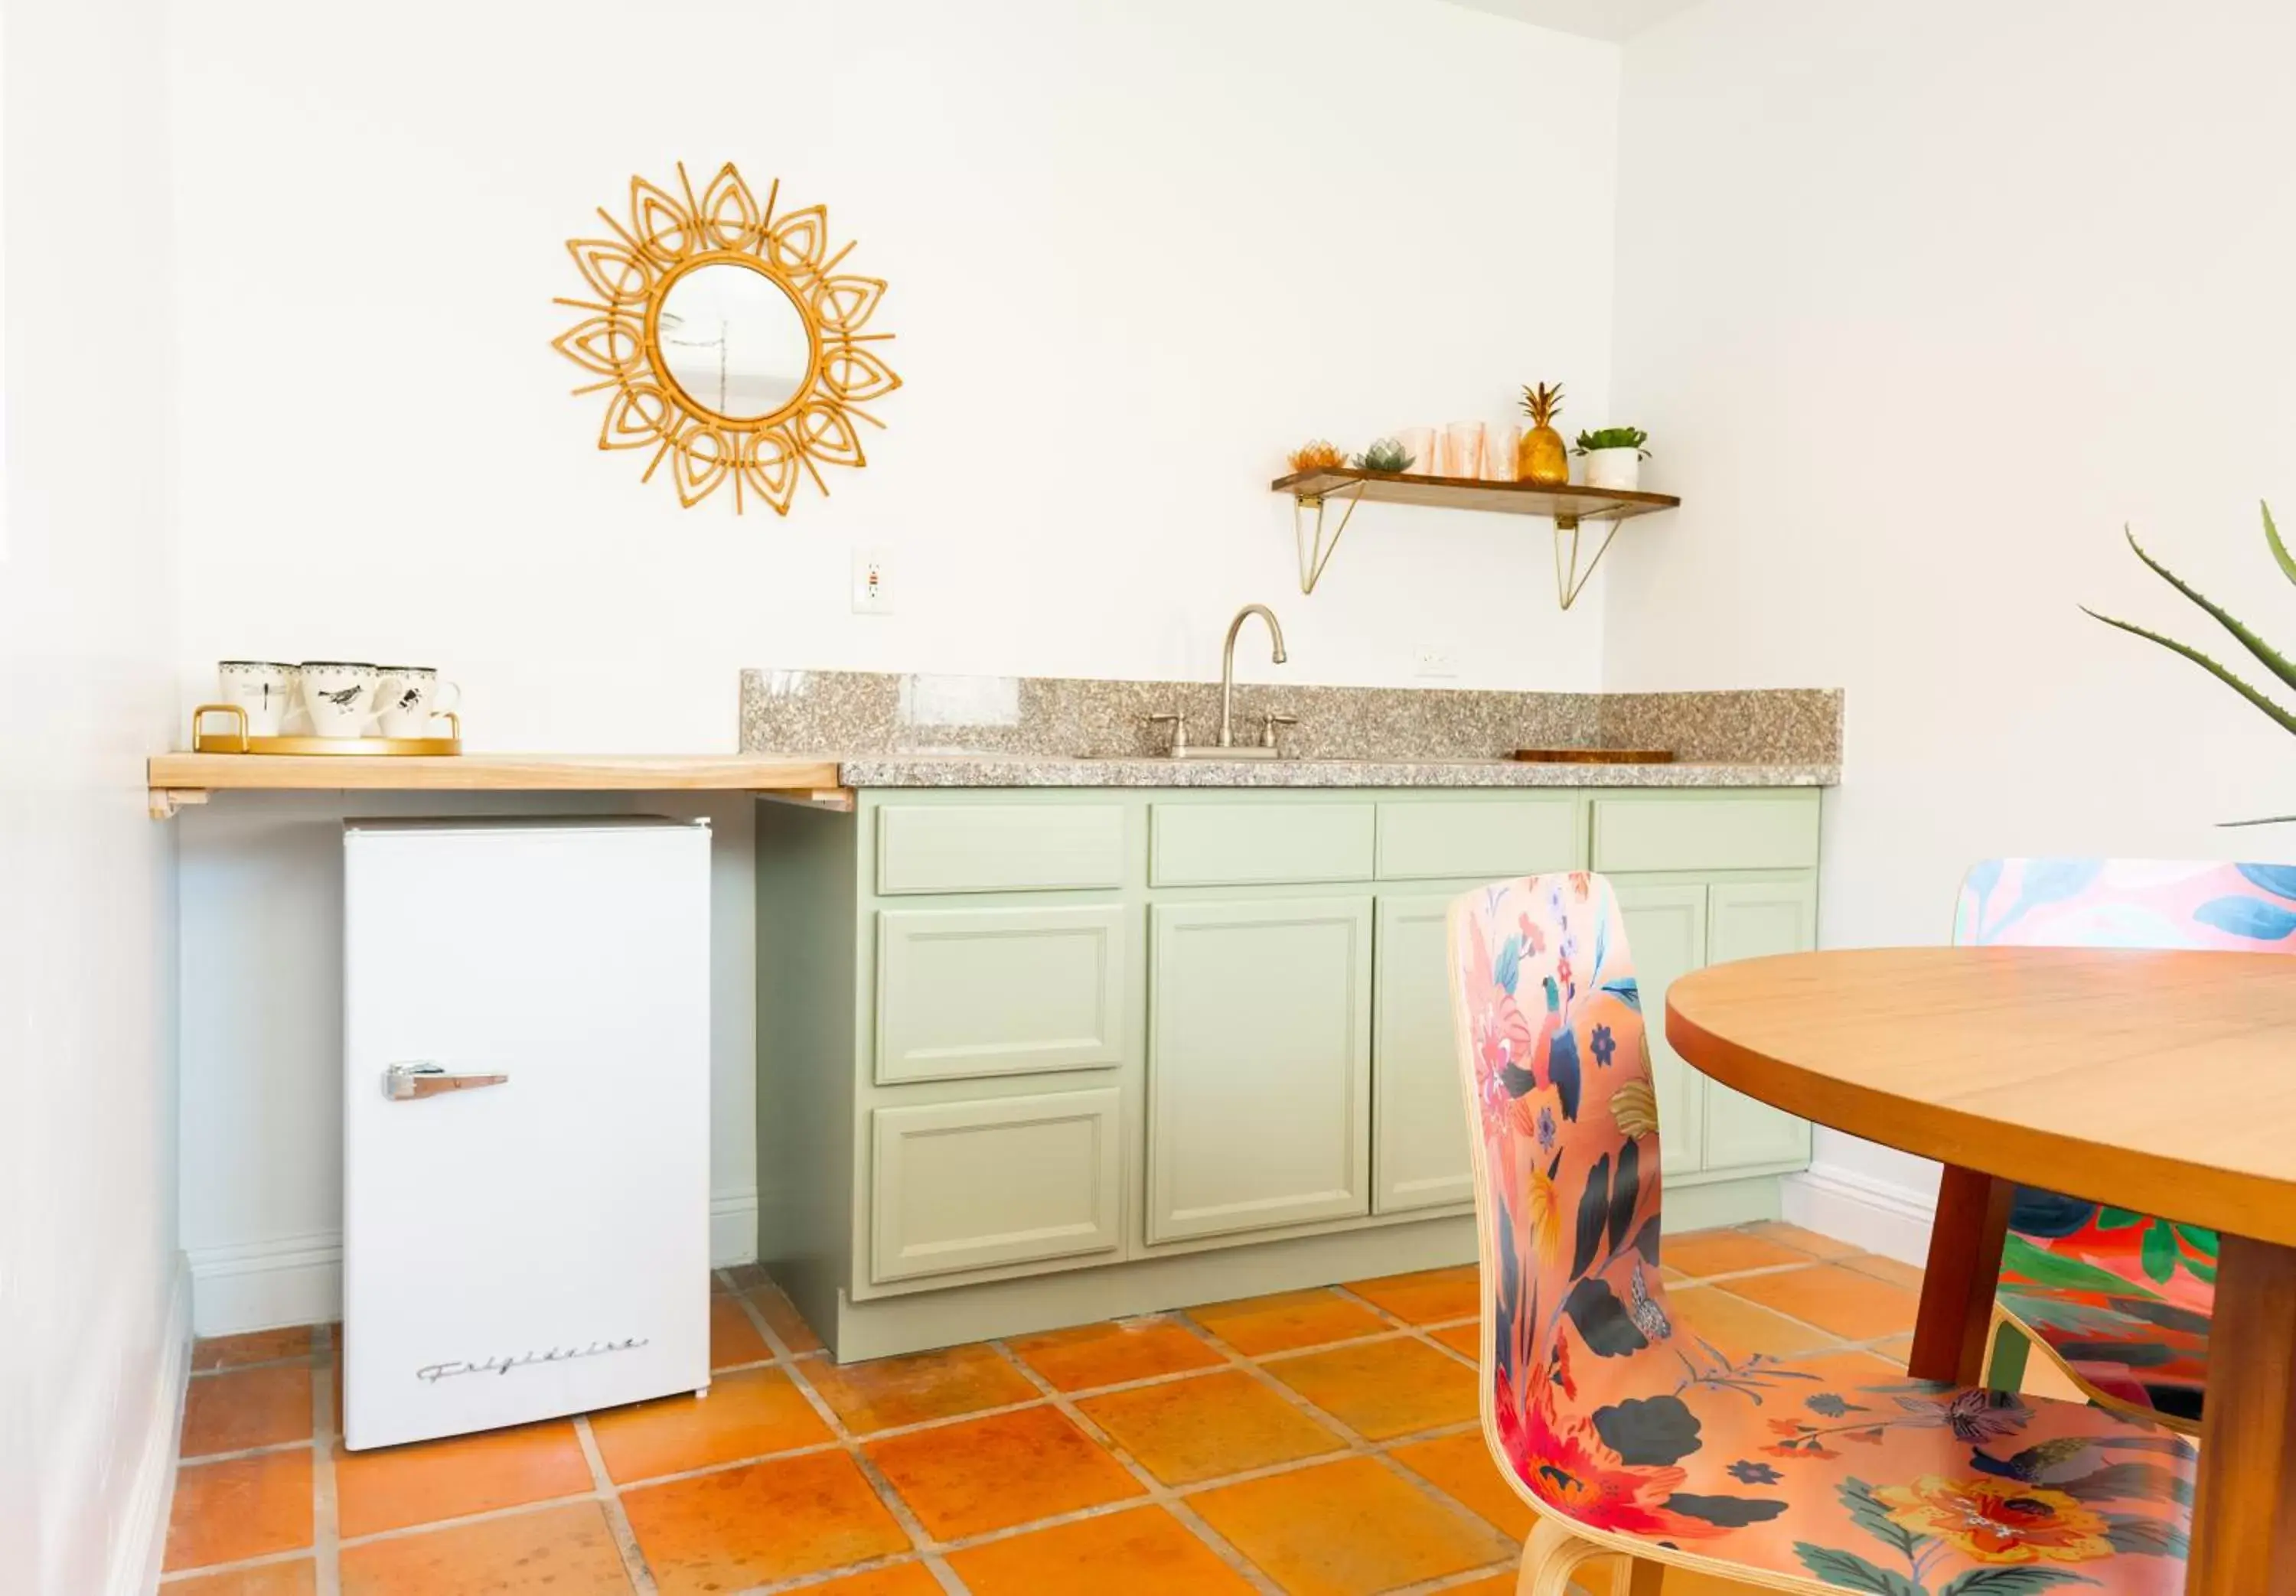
x=732 y=339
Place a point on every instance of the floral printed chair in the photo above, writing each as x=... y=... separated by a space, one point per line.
x=1629 y=1434
x=2120 y=1299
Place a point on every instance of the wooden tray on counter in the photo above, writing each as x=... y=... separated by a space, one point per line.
x=1593 y=756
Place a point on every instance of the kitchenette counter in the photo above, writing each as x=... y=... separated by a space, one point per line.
x=924 y=769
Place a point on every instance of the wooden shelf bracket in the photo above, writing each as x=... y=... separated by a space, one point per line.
x=1314 y=554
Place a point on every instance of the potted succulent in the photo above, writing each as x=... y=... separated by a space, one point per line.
x=1614 y=456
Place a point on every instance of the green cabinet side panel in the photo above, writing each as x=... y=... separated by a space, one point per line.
x=1666 y=932
x=1442 y=840
x=1749 y=920
x=1255 y=843
x=1258 y=1064
x=1420 y=1152
x=1008 y=1180
x=966 y=993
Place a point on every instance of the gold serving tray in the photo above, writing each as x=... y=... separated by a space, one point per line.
x=238 y=741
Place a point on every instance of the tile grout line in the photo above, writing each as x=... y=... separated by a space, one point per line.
x=326 y=1522
x=617 y=1522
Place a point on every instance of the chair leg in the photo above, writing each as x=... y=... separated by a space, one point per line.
x=2004 y=1369
x=1549 y=1558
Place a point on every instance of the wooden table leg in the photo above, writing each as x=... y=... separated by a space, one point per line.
x=1956 y=1312
x=2244 y=1516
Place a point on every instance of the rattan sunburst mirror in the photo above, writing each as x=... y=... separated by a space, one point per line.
x=726 y=340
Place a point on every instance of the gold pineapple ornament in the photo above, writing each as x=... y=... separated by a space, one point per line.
x=1541 y=457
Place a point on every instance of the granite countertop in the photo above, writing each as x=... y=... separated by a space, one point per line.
x=1010 y=770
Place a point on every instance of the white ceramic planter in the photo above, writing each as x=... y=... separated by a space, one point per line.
x=1618 y=468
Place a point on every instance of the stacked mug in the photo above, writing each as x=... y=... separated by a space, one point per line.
x=342 y=698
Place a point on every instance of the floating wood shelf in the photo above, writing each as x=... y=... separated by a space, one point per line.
x=176 y=779
x=1566 y=507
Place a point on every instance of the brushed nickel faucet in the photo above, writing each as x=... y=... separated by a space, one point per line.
x=1227 y=681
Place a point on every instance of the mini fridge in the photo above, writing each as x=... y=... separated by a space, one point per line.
x=526 y=1119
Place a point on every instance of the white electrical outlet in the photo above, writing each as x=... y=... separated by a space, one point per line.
x=873 y=583
x=1432 y=660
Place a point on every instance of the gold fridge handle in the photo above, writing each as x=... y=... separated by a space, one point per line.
x=402 y=1081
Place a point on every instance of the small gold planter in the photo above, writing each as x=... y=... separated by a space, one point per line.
x=237 y=740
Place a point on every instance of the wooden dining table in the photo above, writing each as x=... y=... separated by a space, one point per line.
x=2161 y=1082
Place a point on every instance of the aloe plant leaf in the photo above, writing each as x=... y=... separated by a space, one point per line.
x=2279 y=549
x=2287 y=721
x=2264 y=651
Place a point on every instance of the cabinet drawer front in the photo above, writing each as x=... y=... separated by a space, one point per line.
x=1209 y=845
x=1491 y=840
x=984 y=992
x=1710 y=834
x=993 y=848
x=1011 y=1180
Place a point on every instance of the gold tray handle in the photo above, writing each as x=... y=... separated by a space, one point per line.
x=238 y=744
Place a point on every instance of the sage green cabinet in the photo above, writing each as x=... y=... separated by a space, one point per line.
x=1666 y=933
x=1259 y=1065
x=1420 y=1152
x=968 y=993
x=1749 y=920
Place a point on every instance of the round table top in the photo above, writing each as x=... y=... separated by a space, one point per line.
x=2162 y=1082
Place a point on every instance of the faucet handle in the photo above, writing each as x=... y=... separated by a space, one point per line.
x=1179 y=719
x=1270 y=721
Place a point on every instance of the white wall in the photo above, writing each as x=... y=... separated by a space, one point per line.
x=1135 y=252
x=93 y=1319
x=1921 y=303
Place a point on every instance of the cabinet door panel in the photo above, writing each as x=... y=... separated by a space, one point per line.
x=1419 y=1155
x=1259 y=1065
x=1666 y=932
x=1747 y=920
x=986 y=992
x=1009 y=1180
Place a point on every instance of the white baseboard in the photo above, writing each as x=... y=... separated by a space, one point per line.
x=734 y=1229
x=1877 y=1215
x=142 y=1541
x=298 y=1279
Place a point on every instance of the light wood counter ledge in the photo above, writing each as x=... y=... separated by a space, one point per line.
x=176 y=779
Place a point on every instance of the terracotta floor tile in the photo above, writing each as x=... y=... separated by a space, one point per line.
x=894 y=1579
x=965 y=1479
x=1144 y=1552
x=1683 y=1582
x=391 y=1487
x=1896 y=1349
x=1108 y=1354
x=1289 y=1319
x=1186 y=1430
x=1842 y=1369
x=1461 y=1337
x=1430 y=1297
x=1702 y=1254
x=760 y=1523
x=739 y=1277
x=298 y=1578
x=782 y=1313
x=891 y=1392
x=1462 y=1467
x=246 y=1507
x=1800 y=1240
x=556 y=1551
x=747 y=1414
x=1855 y=1306
x=242 y=1408
x=256 y=1346
x=1347 y=1528
x=1903 y=1275
x=1738 y=1328
x=734 y=1340
x=1382 y=1388
x=1504 y=1584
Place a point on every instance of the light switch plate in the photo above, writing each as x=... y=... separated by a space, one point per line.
x=873 y=583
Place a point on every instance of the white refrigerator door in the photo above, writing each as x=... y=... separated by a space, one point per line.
x=538 y=1246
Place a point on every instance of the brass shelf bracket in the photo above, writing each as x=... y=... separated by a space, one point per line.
x=1568 y=582
x=1314 y=554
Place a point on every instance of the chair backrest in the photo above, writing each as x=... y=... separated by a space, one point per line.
x=2128 y=903
x=1556 y=1069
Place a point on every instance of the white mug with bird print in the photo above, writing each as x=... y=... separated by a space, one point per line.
x=341 y=696
x=410 y=695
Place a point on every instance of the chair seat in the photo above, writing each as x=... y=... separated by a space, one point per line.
x=1903 y=1487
